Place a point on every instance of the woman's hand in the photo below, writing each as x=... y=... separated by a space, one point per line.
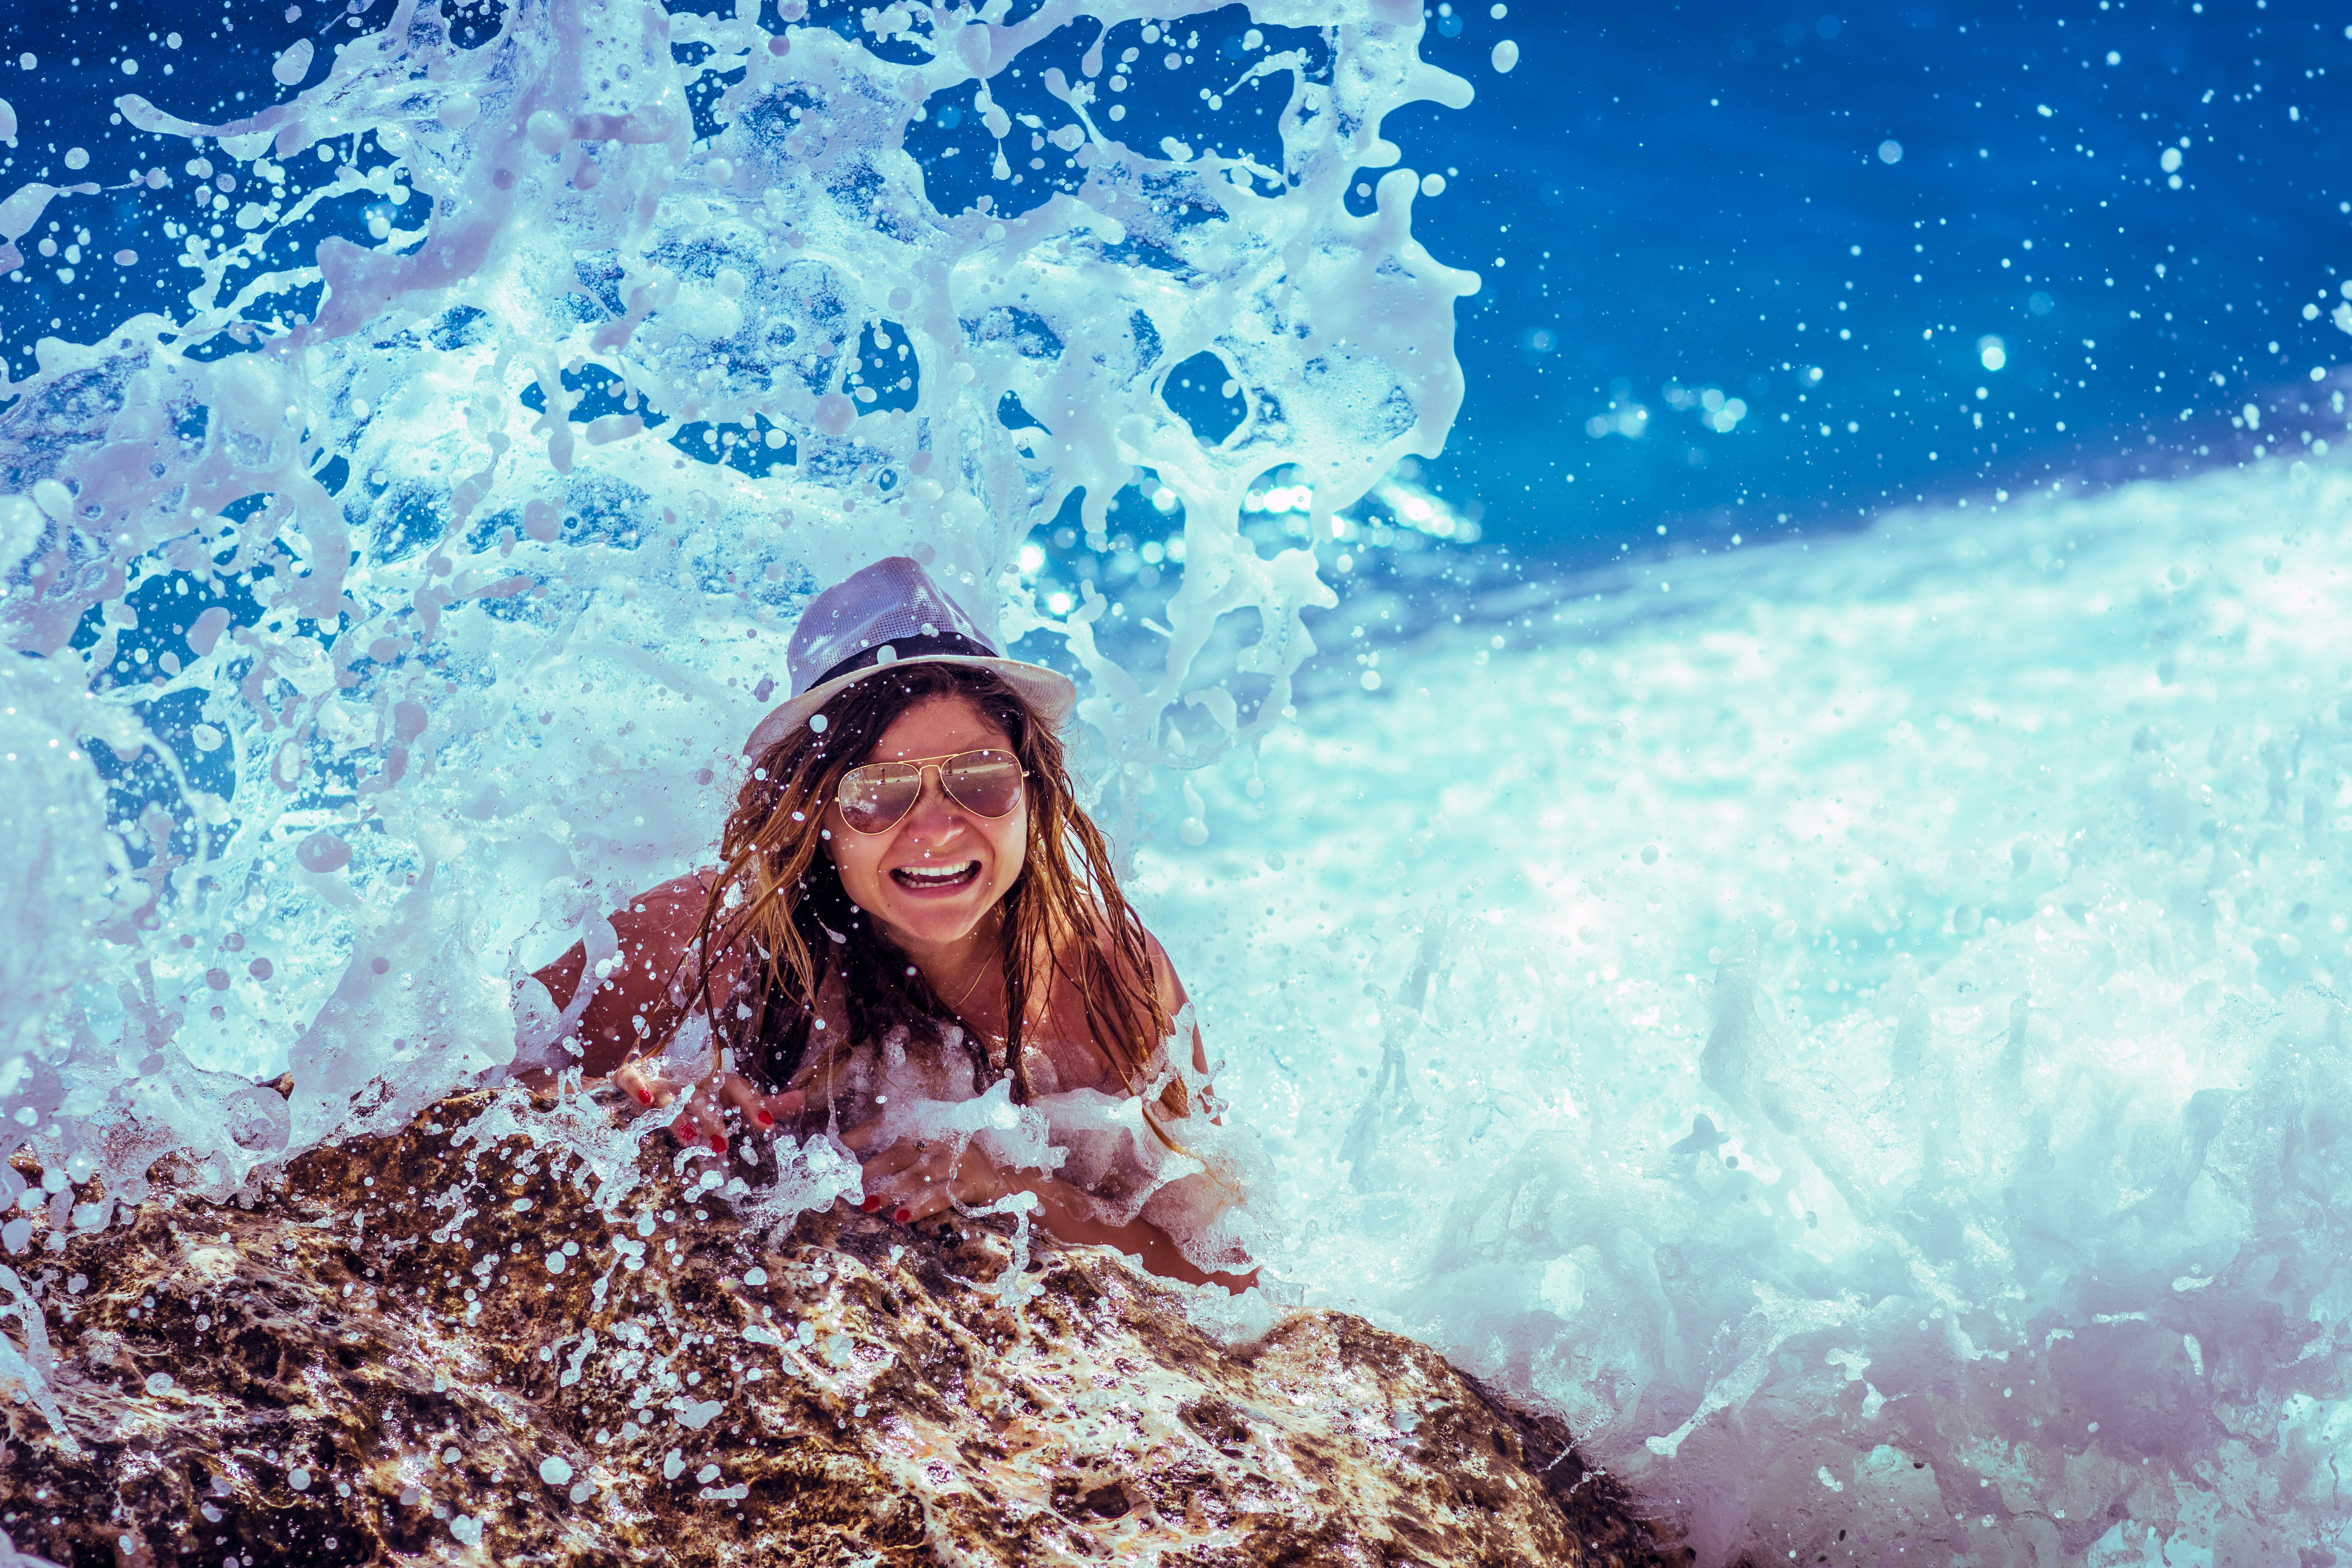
x=916 y=1178
x=709 y=1099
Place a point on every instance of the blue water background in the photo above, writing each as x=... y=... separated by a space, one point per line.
x=1663 y=200
x=1693 y=195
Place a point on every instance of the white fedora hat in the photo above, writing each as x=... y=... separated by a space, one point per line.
x=892 y=612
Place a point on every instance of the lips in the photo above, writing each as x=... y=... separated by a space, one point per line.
x=937 y=878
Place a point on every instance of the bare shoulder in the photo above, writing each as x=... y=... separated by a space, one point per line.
x=1169 y=988
x=635 y=993
x=1165 y=982
x=665 y=917
x=657 y=926
x=691 y=891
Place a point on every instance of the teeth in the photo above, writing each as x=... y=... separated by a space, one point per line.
x=936 y=874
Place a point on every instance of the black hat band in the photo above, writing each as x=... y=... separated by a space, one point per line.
x=905 y=649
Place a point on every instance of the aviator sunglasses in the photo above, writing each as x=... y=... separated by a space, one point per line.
x=876 y=796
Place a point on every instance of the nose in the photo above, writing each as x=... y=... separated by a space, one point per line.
x=934 y=818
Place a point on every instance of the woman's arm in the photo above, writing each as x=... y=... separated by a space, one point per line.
x=1173 y=1000
x=1172 y=996
x=636 y=1008
x=633 y=1011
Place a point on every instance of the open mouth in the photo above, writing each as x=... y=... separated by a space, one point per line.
x=937 y=878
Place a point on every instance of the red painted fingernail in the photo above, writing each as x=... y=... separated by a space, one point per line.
x=903 y=1215
x=766 y=1120
x=644 y=1097
x=717 y=1144
x=872 y=1203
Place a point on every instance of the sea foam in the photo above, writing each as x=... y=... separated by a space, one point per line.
x=1854 y=1026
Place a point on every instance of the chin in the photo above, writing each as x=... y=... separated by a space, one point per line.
x=932 y=924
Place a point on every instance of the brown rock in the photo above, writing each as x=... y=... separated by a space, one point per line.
x=384 y=1358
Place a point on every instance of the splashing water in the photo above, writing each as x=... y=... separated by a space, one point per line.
x=1857 y=1033
x=383 y=616
x=404 y=598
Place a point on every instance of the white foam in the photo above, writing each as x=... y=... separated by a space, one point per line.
x=496 y=681
x=1869 y=1014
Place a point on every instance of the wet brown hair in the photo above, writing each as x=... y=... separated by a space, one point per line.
x=778 y=898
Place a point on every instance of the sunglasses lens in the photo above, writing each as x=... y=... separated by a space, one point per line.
x=987 y=782
x=877 y=796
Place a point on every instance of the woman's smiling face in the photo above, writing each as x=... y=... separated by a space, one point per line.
x=896 y=875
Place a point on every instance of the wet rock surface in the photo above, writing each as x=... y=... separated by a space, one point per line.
x=435 y=1346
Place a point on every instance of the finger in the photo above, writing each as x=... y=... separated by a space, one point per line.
x=657 y=1087
x=637 y=1081
x=709 y=1131
x=884 y=1179
x=891 y=1161
x=736 y=1092
x=921 y=1185
x=789 y=1103
x=899 y=1173
x=930 y=1200
x=906 y=1198
x=698 y=1123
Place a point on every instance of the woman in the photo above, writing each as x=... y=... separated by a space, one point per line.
x=910 y=901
